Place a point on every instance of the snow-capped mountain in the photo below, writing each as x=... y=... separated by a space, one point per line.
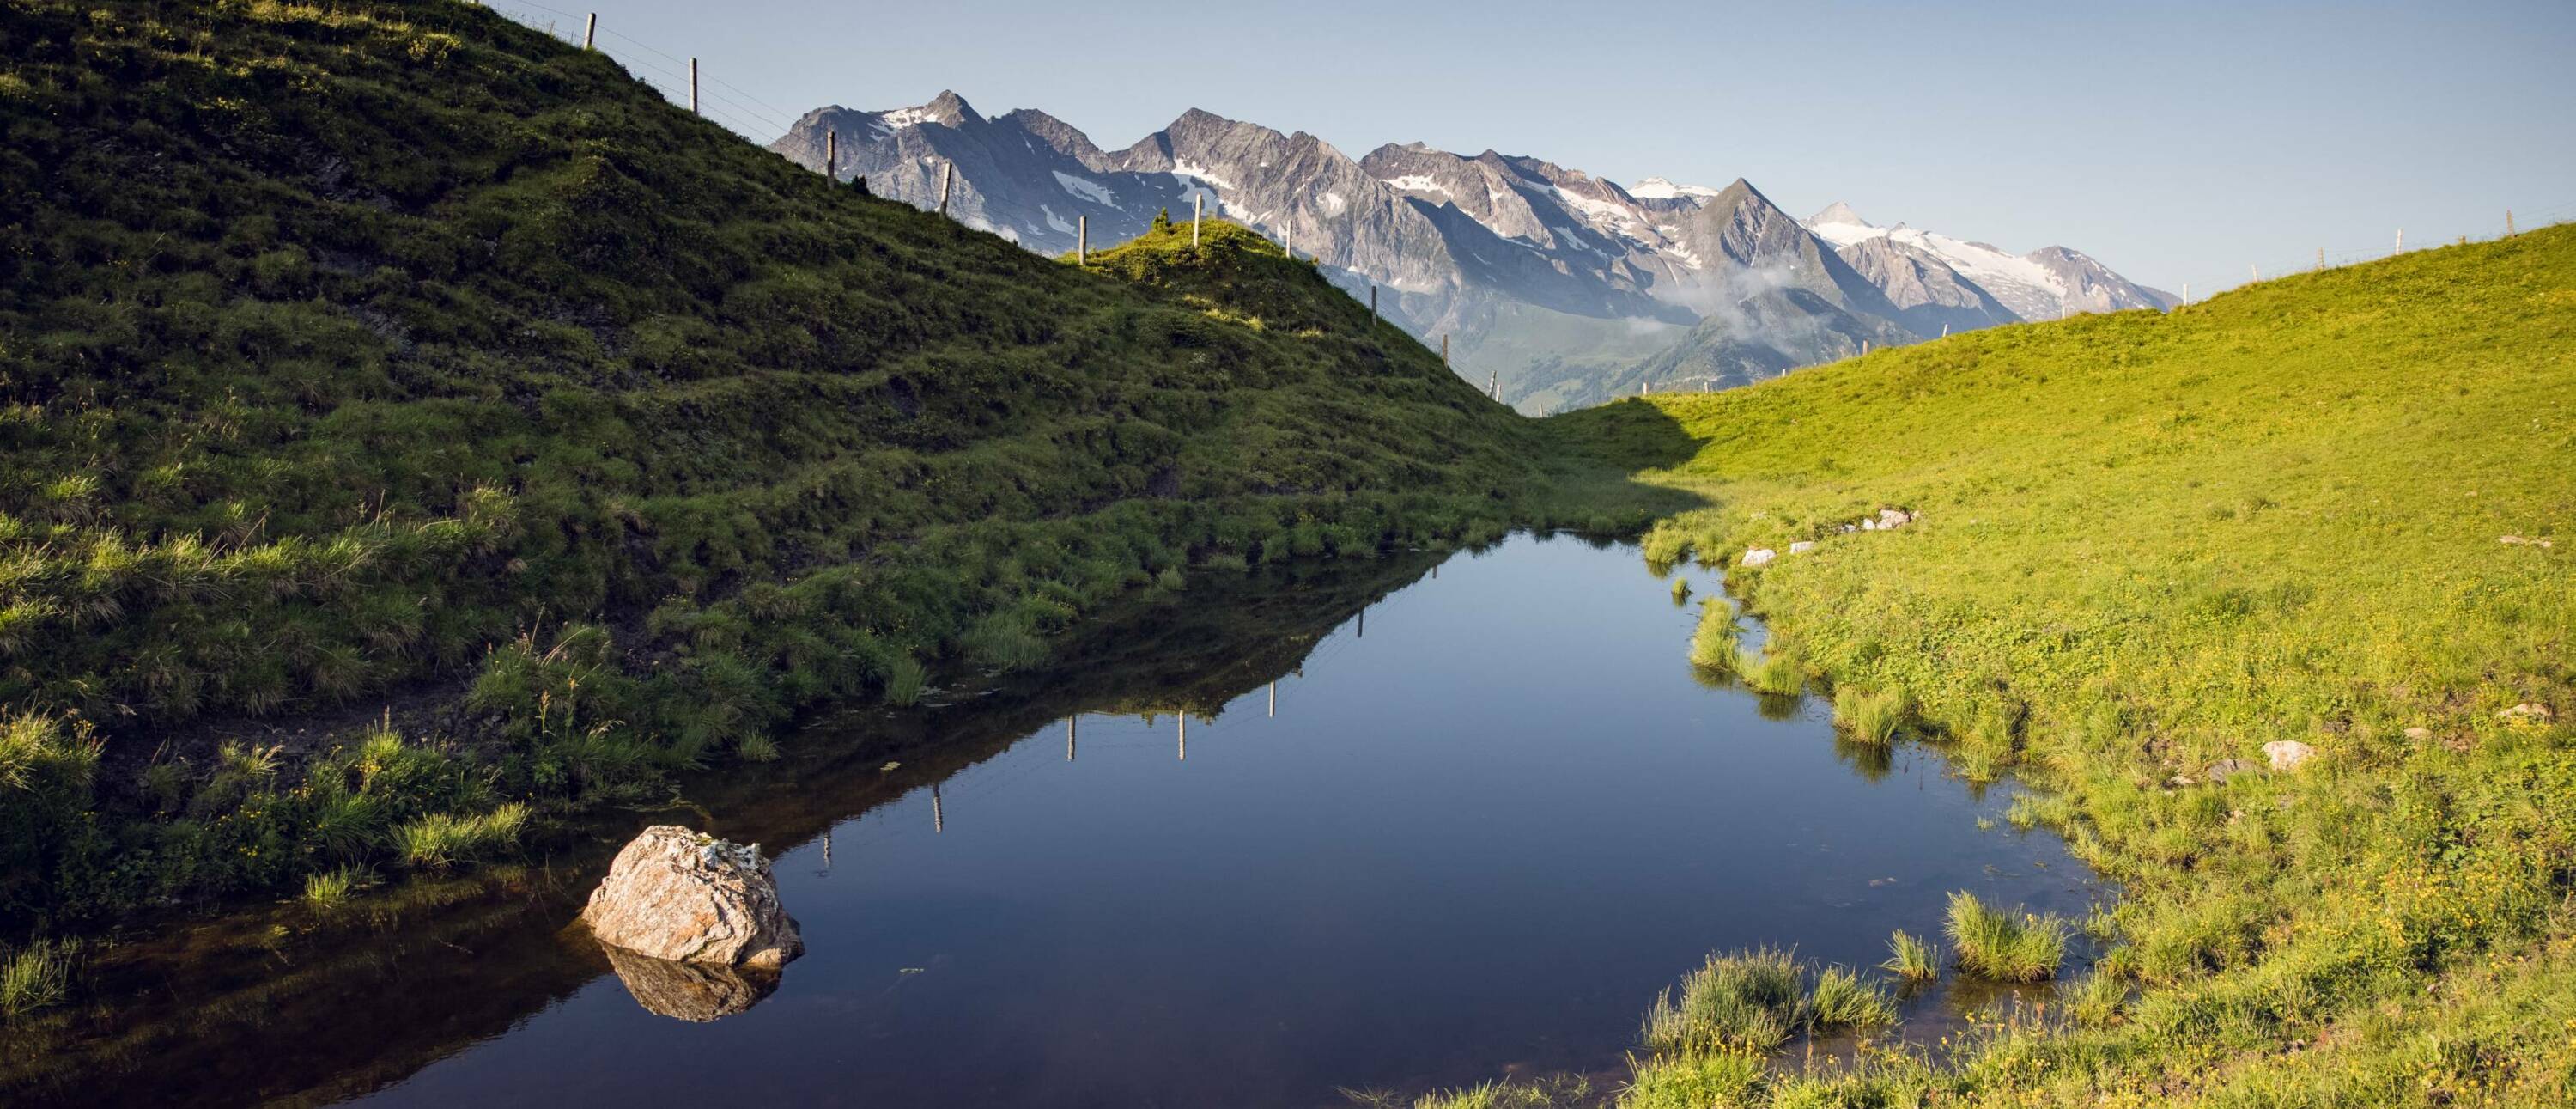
x=1568 y=288
x=2042 y=285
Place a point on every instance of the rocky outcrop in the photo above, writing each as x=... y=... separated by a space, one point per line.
x=1760 y=556
x=684 y=896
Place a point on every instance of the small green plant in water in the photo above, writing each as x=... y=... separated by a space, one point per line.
x=1841 y=999
x=442 y=840
x=334 y=888
x=1912 y=958
x=2008 y=946
x=1713 y=643
x=1681 y=592
x=1773 y=674
x=1745 y=1000
x=904 y=681
x=1870 y=716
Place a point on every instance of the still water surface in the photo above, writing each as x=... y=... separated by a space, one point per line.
x=1493 y=813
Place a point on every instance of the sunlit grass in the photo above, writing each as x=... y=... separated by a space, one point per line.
x=1770 y=673
x=442 y=840
x=1912 y=958
x=1870 y=716
x=2004 y=945
x=33 y=976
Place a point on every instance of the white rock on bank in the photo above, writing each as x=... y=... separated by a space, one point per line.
x=688 y=897
x=1760 y=556
x=1801 y=547
x=2528 y=712
x=2288 y=754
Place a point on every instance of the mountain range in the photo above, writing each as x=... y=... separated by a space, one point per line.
x=1558 y=287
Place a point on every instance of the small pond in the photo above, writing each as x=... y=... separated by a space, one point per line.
x=1393 y=824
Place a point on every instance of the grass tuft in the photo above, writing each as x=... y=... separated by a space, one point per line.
x=1912 y=958
x=1841 y=1000
x=2007 y=946
x=334 y=889
x=1769 y=673
x=1870 y=716
x=442 y=840
x=36 y=975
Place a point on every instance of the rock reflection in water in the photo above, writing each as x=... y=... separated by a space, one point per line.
x=689 y=991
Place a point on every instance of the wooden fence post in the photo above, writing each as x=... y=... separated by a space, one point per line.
x=1274 y=700
x=831 y=154
x=2321 y=259
x=1068 y=737
x=2508 y=223
x=1198 y=208
x=946 y=169
x=1444 y=348
x=1291 y=241
x=590 y=31
x=1372 y=304
x=2401 y=242
x=693 y=86
x=1082 y=240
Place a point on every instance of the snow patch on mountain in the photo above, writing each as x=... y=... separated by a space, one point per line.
x=1657 y=188
x=1084 y=188
x=1055 y=221
x=1416 y=183
x=1183 y=168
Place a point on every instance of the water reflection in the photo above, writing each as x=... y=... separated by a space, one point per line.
x=1481 y=843
x=698 y=992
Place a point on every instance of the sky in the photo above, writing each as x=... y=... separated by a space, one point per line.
x=2177 y=143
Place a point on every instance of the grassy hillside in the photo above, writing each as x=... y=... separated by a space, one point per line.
x=2337 y=509
x=406 y=376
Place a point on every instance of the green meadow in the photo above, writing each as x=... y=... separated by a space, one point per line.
x=405 y=376
x=2337 y=509
x=401 y=373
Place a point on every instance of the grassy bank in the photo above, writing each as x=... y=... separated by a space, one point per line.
x=2337 y=509
x=412 y=428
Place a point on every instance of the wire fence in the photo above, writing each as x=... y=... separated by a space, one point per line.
x=2209 y=283
x=665 y=72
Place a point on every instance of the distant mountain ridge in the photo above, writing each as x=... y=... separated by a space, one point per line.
x=1564 y=287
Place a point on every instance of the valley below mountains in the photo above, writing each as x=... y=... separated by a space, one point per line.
x=1556 y=288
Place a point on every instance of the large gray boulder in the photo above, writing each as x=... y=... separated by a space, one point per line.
x=688 y=897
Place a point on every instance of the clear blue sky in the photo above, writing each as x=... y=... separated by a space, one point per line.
x=2177 y=143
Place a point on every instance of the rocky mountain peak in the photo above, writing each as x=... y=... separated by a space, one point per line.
x=1838 y=212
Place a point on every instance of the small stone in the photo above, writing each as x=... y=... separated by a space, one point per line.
x=1760 y=556
x=2224 y=769
x=2528 y=713
x=2288 y=754
x=2179 y=780
x=683 y=896
x=2419 y=734
x=2512 y=540
x=1801 y=547
x=1893 y=518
